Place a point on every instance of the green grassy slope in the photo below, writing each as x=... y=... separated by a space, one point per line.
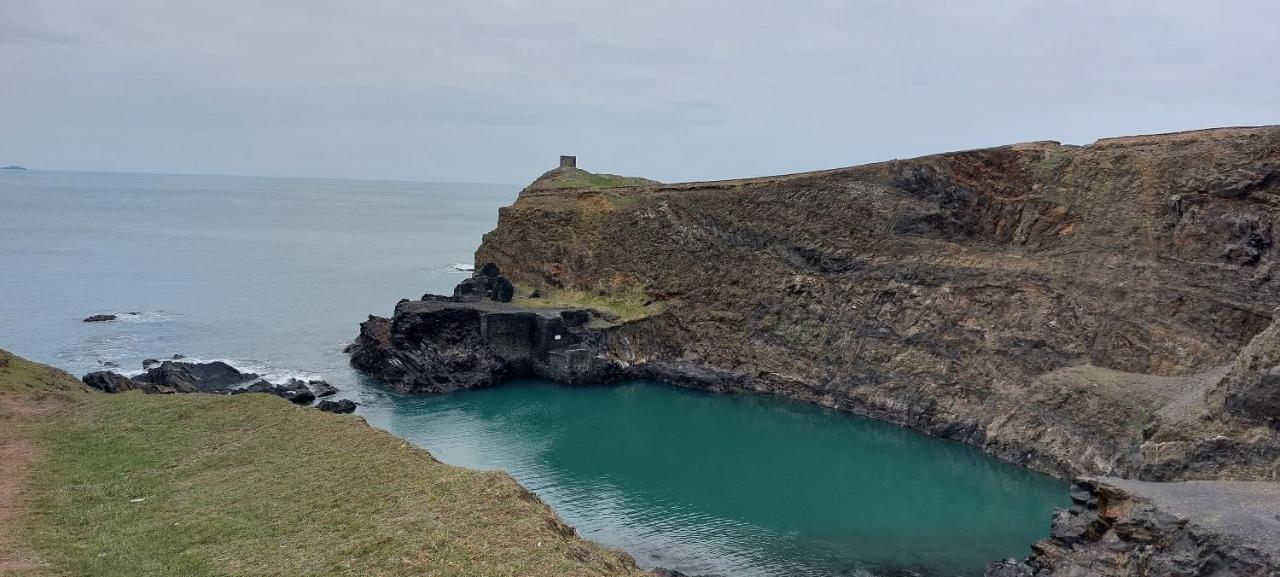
x=194 y=485
x=561 y=178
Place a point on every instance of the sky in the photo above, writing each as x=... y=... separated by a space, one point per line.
x=496 y=90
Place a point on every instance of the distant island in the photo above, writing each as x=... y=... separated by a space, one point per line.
x=12 y=167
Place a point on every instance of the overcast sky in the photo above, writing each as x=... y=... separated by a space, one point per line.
x=494 y=91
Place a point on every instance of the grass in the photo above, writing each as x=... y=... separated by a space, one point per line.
x=579 y=178
x=622 y=307
x=195 y=485
x=23 y=377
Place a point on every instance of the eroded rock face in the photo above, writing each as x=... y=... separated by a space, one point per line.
x=938 y=292
x=445 y=344
x=1252 y=389
x=1125 y=529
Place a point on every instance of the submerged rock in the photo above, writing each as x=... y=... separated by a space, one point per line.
x=342 y=406
x=1007 y=568
x=99 y=318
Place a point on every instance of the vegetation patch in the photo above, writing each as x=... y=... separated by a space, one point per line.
x=563 y=178
x=619 y=307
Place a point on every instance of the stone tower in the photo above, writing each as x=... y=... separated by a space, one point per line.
x=568 y=161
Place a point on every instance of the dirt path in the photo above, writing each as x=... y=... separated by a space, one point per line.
x=17 y=456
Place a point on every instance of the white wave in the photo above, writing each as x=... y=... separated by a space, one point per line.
x=264 y=371
x=147 y=316
x=462 y=267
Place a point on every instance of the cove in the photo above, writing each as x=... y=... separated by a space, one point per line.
x=737 y=485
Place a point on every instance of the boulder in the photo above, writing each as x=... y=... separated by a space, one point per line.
x=109 y=382
x=296 y=392
x=341 y=406
x=500 y=289
x=148 y=363
x=215 y=377
x=469 y=289
x=99 y=318
x=1007 y=568
x=486 y=283
x=322 y=388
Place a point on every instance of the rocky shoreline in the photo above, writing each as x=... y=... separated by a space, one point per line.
x=177 y=376
x=1119 y=528
x=1080 y=311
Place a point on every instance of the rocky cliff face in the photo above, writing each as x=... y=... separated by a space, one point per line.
x=1071 y=309
x=1099 y=310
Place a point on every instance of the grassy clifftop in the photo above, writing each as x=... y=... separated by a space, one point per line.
x=577 y=178
x=196 y=485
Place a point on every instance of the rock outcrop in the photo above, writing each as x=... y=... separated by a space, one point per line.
x=109 y=382
x=99 y=318
x=444 y=344
x=181 y=377
x=169 y=377
x=341 y=406
x=1121 y=528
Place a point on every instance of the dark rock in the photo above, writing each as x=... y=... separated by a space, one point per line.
x=468 y=289
x=575 y=317
x=501 y=289
x=437 y=346
x=342 y=406
x=1130 y=530
x=148 y=363
x=99 y=318
x=215 y=377
x=297 y=392
x=486 y=283
x=1007 y=568
x=256 y=387
x=294 y=391
x=178 y=356
x=109 y=364
x=322 y=388
x=109 y=382
x=536 y=294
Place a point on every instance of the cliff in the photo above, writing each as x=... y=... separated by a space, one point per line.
x=1068 y=308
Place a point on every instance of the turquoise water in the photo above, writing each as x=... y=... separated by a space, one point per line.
x=739 y=484
x=273 y=275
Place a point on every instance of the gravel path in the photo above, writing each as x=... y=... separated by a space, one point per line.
x=1248 y=509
